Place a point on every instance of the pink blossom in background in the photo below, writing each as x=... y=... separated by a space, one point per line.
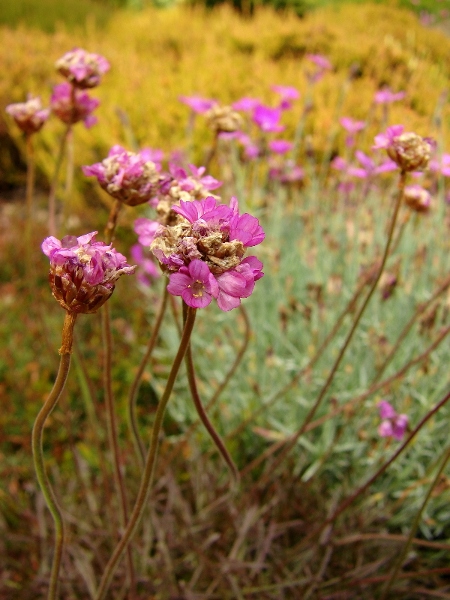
x=280 y=146
x=386 y=96
x=198 y=104
x=154 y=155
x=83 y=272
x=320 y=61
x=287 y=93
x=267 y=119
x=286 y=173
x=72 y=105
x=441 y=165
x=352 y=127
x=81 y=68
x=251 y=149
x=146 y=268
x=29 y=115
x=392 y=424
x=146 y=230
x=246 y=104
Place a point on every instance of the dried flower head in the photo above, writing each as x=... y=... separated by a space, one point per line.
x=83 y=272
x=223 y=119
x=29 y=115
x=72 y=105
x=82 y=69
x=126 y=176
x=208 y=242
x=417 y=198
x=408 y=150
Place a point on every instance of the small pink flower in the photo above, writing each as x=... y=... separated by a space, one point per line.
x=393 y=424
x=280 y=146
x=29 y=115
x=267 y=118
x=198 y=104
x=246 y=104
x=386 y=96
x=288 y=95
x=72 y=105
x=82 y=69
x=195 y=284
x=146 y=230
x=320 y=61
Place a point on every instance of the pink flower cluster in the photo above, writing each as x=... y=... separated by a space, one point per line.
x=81 y=68
x=83 y=272
x=203 y=253
x=29 y=115
x=72 y=105
x=126 y=176
x=393 y=424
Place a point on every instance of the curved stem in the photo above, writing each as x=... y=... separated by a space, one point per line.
x=112 y=433
x=54 y=183
x=415 y=525
x=38 y=454
x=202 y=413
x=293 y=439
x=149 y=468
x=137 y=440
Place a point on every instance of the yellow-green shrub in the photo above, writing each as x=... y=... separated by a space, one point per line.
x=158 y=55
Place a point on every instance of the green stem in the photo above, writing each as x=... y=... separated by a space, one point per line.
x=415 y=525
x=112 y=433
x=31 y=168
x=38 y=454
x=202 y=413
x=137 y=440
x=293 y=439
x=148 y=472
x=54 y=183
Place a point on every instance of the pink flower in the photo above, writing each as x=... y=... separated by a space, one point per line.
x=72 y=105
x=146 y=267
x=393 y=424
x=82 y=69
x=386 y=96
x=195 y=284
x=280 y=146
x=146 y=230
x=198 y=104
x=320 y=61
x=83 y=272
x=351 y=125
x=267 y=118
x=126 y=176
x=214 y=235
x=29 y=115
x=246 y=104
x=288 y=95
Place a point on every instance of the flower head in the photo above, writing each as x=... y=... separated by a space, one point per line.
x=387 y=96
x=246 y=104
x=29 y=115
x=267 y=118
x=212 y=235
x=417 y=198
x=224 y=119
x=83 y=272
x=198 y=104
x=287 y=93
x=72 y=105
x=82 y=69
x=126 y=176
x=393 y=424
x=408 y=150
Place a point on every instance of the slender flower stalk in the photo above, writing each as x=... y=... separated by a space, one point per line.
x=202 y=413
x=54 y=182
x=147 y=476
x=132 y=418
x=292 y=440
x=38 y=454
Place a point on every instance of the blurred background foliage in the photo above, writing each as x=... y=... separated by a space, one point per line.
x=158 y=55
